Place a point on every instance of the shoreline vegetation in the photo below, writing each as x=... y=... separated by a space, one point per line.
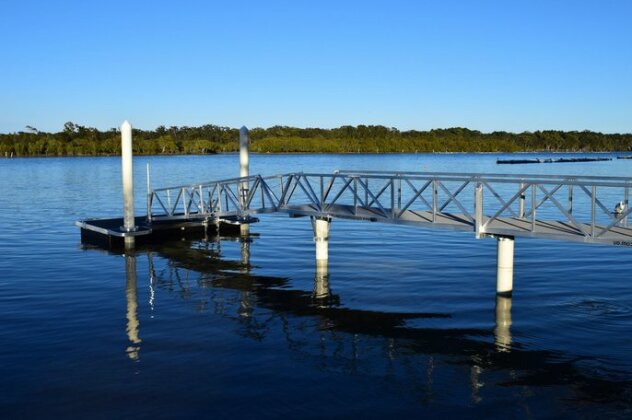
x=77 y=140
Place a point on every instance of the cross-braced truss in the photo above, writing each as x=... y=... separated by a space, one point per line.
x=577 y=208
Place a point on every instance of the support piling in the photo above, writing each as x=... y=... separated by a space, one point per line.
x=505 y=265
x=244 y=164
x=321 y=238
x=128 y=182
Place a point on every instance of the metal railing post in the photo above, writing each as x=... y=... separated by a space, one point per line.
x=366 y=191
x=399 y=192
x=521 y=203
x=435 y=192
x=220 y=192
x=478 y=210
x=355 y=195
x=533 y=207
x=281 y=189
x=322 y=191
x=593 y=210
x=201 y=205
x=626 y=196
x=392 y=197
x=570 y=201
x=184 y=202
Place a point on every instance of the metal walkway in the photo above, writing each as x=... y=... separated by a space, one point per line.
x=572 y=208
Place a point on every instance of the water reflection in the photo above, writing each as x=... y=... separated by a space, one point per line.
x=321 y=281
x=316 y=325
x=244 y=245
x=245 y=304
x=133 y=350
x=475 y=381
x=502 y=331
x=152 y=281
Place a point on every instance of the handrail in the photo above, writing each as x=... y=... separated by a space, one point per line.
x=484 y=175
x=403 y=197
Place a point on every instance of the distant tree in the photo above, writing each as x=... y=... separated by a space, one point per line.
x=70 y=127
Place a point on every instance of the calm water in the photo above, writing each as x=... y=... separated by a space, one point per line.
x=403 y=323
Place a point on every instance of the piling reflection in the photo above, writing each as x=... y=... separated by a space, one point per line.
x=152 y=281
x=321 y=281
x=245 y=304
x=131 y=294
x=502 y=331
x=476 y=384
x=244 y=245
x=316 y=325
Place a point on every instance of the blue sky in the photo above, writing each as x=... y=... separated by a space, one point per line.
x=485 y=65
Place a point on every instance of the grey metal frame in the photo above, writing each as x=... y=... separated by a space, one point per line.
x=561 y=207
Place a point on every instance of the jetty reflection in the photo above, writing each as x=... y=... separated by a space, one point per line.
x=316 y=324
x=131 y=294
x=245 y=307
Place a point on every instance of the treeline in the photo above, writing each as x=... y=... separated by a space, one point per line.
x=77 y=140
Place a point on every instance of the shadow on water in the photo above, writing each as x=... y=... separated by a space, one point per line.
x=188 y=267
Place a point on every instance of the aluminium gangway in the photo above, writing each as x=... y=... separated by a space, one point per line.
x=587 y=209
